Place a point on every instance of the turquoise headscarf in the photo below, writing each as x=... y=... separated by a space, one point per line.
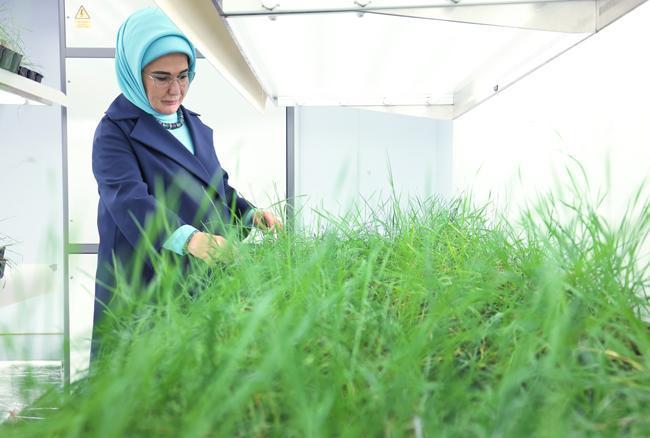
x=145 y=36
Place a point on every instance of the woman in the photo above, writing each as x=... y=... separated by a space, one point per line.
x=150 y=153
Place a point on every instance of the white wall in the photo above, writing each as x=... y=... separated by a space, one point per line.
x=343 y=157
x=591 y=103
x=31 y=295
x=105 y=18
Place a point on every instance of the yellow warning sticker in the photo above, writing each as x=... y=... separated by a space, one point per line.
x=82 y=19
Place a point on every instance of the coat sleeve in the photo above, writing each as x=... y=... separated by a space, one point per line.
x=123 y=191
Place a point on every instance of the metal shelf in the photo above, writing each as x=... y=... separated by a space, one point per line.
x=15 y=89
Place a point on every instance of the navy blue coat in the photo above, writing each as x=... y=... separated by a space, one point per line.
x=141 y=168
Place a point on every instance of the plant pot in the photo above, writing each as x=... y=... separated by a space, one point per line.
x=31 y=74
x=23 y=71
x=16 y=62
x=38 y=77
x=6 y=58
x=3 y=261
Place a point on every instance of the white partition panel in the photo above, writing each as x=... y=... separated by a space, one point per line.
x=31 y=294
x=326 y=160
x=95 y=23
x=348 y=158
x=589 y=105
x=82 y=298
x=91 y=86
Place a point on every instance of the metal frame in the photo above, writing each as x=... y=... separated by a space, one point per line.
x=549 y=15
x=83 y=248
x=260 y=6
x=64 y=173
x=477 y=92
x=611 y=10
x=290 y=166
x=89 y=52
x=22 y=91
x=100 y=52
x=70 y=248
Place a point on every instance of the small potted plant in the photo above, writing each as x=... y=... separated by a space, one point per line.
x=9 y=59
x=3 y=261
x=23 y=71
x=3 y=37
x=11 y=52
x=4 y=243
x=28 y=70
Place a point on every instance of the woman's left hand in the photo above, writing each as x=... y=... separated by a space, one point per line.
x=266 y=221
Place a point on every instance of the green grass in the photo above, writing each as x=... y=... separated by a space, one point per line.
x=437 y=320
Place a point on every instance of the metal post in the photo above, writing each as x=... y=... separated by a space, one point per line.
x=290 y=166
x=64 y=173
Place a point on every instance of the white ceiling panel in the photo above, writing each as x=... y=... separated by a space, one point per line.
x=436 y=58
x=347 y=59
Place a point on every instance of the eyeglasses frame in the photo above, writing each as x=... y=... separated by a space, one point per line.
x=157 y=82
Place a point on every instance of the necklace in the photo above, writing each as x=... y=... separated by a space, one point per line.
x=174 y=125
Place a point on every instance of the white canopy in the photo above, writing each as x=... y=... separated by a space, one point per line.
x=436 y=58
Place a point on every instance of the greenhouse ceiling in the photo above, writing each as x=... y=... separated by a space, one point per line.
x=435 y=58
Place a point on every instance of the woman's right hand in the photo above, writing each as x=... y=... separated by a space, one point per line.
x=209 y=247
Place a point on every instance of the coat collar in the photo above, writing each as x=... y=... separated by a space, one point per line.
x=146 y=130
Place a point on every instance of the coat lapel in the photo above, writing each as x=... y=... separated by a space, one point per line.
x=203 y=164
x=204 y=150
x=149 y=132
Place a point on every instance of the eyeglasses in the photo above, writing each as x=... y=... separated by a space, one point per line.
x=162 y=80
